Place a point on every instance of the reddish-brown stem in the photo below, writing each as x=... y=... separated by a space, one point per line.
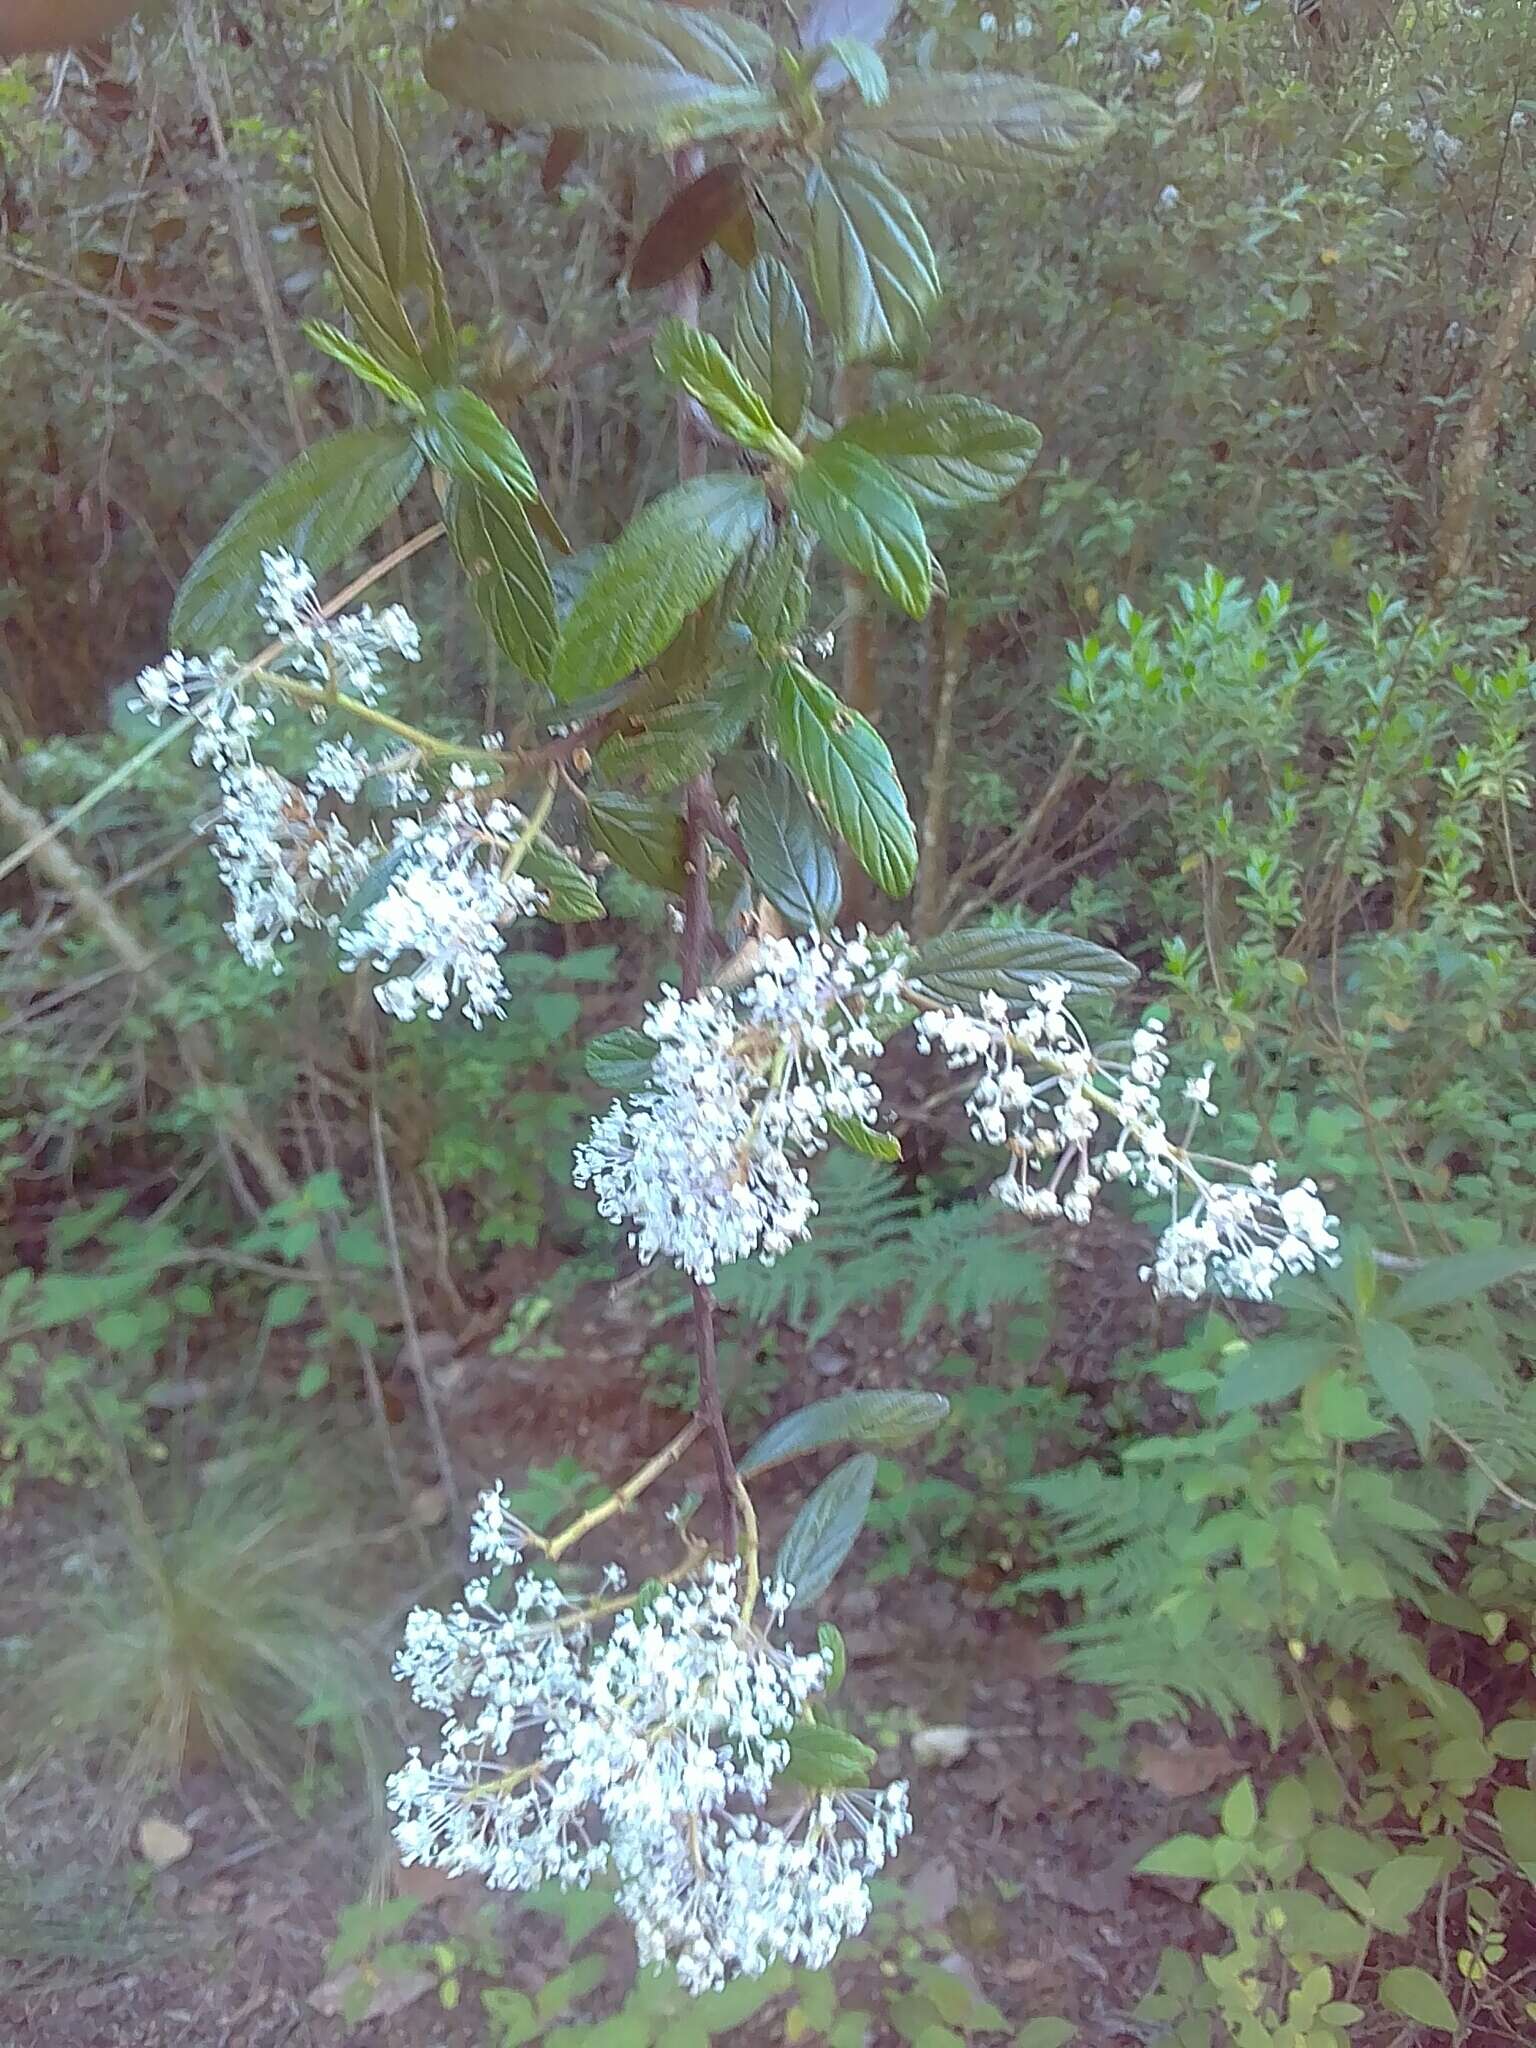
x=699 y=810
x=697 y=921
x=712 y=1415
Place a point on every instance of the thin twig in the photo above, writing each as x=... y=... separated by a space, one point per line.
x=254 y=257
x=624 y=1497
x=413 y=1351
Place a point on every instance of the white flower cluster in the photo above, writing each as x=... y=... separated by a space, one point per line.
x=1073 y=1120
x=289 y=861
x=447 y=904
x=703 y=1163
x=645 y=1751
x=1240 y=1240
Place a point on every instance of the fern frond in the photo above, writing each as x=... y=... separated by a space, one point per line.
x=1223 y=1672
x=1369 y=1633
x=863 y=1213
x=966 y=1262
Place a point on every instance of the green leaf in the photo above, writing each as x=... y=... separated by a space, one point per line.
x=1288 y=1812
x=644 y=835
x=947 y=452
x=1460 y=1277
x=871 y=1144
x=853 y=503
x=354 y=357
x=1514 y=1739
x=1319 y=1930
x=825 y=1530
x=1461 y=1761
x=885 y=1416
x=323 y=505
x=788 y=854
x=964 y=125
x=865 y=68
x=1339 y=1408
x=374 y=885
x=768 y=591
x=621 y=1059
x=872 y=265
x=959 y=967
x=1391 y=1359
x=511 y=2015
x=1184 y=1856
x=1399 y=1888
x=1271 y=1369
x=827 y=1759
x=1045 y=2033
x=1336 y=1849
x=1240 y=1811
x=843 y=762
x=462 y=435
x=358 y=1245
x=691 y=219
x=678 y=742
x=630 y=65
x=662 y=567
x=1415 y=1994
x=286 y=1303
x=377 y=238
x=701 y=366
x=509 y=578
x=1514 y=1808
x=571 y=898
x=829 y=1640
x=772 y=341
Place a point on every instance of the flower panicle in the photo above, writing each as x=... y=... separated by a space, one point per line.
x=643 y=1747
x=436 y=929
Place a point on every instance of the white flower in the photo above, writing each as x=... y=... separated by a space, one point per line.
x=446 y=901
x=1168 y=197
x=339 y=765
x=1072 y=1120
x=743 y=1894
x=1241 y=1240
x=1045 y=1118
x=345 y=652
x=279 y=859
x=703 y=1163
x=1198 y=1091
x=647 y=1752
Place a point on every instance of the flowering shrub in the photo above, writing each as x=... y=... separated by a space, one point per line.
x=650 y=1736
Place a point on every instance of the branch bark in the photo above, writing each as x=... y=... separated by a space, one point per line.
x=1469 y=467
x=861 y=646
x=945 y=645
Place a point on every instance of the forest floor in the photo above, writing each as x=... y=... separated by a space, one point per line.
x=1019 y=1870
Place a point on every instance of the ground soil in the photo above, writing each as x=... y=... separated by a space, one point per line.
x=1022 y=1857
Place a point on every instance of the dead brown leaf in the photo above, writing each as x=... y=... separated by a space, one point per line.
x=389 y=1992
x=1180 y=1773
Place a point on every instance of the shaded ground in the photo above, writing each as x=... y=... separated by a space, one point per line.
x=1021 y=1857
